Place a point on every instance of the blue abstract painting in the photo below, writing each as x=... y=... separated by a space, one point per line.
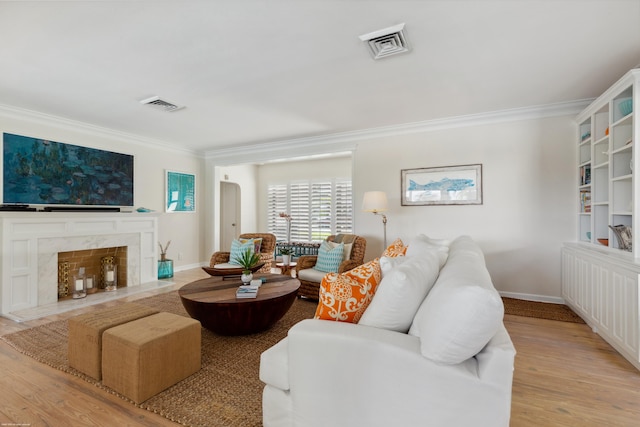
x=442 y=185
x=42 y=172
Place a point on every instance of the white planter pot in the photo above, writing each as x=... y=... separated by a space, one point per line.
x=246 y=278
x=286 y=259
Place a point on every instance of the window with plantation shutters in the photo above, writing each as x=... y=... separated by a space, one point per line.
x=299 y=210
x=276 y=203
x=321 y=210
x=343 y=217
x=318 y=209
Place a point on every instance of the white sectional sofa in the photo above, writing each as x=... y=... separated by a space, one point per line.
x=453 y=368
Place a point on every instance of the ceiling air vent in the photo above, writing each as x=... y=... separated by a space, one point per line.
x=386 y=42
x=161 y=104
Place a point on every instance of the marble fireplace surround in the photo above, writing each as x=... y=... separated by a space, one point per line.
x=48 y=249
x=31 y=242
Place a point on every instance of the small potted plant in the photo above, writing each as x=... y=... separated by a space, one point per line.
x=248 y=259
x=286 y=255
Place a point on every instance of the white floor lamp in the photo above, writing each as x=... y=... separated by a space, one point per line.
x=376 y=202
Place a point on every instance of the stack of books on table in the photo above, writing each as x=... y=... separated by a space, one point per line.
x=247 y=291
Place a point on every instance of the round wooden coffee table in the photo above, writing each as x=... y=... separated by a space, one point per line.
x=213 y=302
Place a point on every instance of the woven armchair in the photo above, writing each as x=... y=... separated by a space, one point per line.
x=267 y=249
x=311 y=290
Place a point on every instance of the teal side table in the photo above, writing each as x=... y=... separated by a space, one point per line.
x=165 y=269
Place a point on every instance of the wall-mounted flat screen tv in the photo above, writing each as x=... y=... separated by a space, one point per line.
x=41 y=172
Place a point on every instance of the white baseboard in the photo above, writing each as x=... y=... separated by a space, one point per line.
x=533 y=297
x=191 y=266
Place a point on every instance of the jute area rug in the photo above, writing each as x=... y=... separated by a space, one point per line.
x=225 y=392
x=540 y=310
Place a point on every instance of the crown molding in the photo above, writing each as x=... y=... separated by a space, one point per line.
x=307 y=146
x=17 y=113
x=278 y=150
x=346 y=141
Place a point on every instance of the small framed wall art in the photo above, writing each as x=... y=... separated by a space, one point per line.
x=180 y=192
x=450 y=185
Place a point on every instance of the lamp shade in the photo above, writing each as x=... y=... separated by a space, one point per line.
x=374 y=201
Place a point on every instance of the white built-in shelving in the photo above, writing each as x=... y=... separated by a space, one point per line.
x=600 y=279
x=606 y=161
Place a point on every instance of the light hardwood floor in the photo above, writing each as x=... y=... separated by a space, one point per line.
x=565 y=375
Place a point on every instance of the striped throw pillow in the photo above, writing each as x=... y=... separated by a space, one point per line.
x=329 y=257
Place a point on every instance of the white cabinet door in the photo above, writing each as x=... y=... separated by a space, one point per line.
x=624 y=309
x=569 y=280
x=606 y=295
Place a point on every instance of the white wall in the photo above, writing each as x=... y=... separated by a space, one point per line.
x=529 y=179
x=529 y=200
x=183 y=229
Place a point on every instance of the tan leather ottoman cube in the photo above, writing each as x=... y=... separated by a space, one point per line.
x=143 y=357
x=85 y=334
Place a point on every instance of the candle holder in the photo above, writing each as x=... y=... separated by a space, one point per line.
x=63 y=279
x=92 y=285
x=105 y=260
x=110 y=277
x=79 y=286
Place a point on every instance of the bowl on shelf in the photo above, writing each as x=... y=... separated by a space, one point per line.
x=604 y=242
x=626 y=106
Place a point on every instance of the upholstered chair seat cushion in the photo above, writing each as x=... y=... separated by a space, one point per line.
x=226 y=265
x=311 y=275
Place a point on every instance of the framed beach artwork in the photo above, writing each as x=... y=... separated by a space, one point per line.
x=180 y=192
x=451 y=185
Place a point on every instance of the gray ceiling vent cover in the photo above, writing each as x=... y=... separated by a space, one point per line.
x=161 y=104
x=386 y=42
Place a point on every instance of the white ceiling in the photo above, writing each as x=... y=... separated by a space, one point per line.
x=255 y=72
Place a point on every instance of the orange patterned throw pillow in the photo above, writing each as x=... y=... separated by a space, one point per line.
x=344 y=297
x=397 y=248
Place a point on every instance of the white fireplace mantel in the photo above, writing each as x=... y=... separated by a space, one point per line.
x=32 y=240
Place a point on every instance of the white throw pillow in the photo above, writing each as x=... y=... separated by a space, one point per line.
x=457 y=326
x=462 y=312
x=401 y=291
x=434 y=242
x=389 y=263
x=465 y=244
x=422 y=244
